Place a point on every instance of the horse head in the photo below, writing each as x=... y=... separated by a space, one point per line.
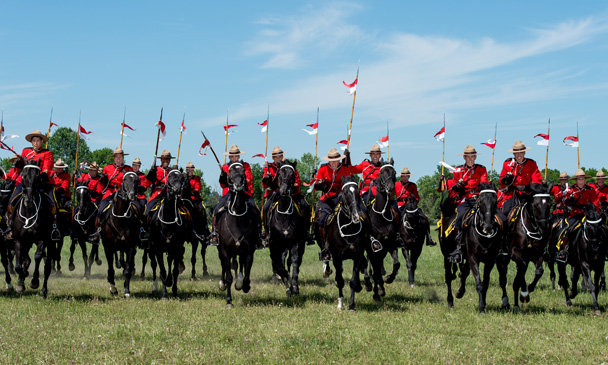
x=486 y=206
x=350 y=197
x=411 y=205
x=128 y=188
x=236 y=176
x=541 y=205
x=176 y=180
x=386 y=180
x=31 y=176
x=286 y=176
x=593 y=230
x=83 y=195
x=6 y=189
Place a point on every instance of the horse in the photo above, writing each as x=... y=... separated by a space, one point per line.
x=64 y=223
x=347 y=237
x=199 y=218
x=120 y=230
x=586 y=253
x=447 y=243
x=384 y=226
x=83 y=225
x=6 y=189
x=413 y=233
x=238 y=233
x=32 y=224
x=170 y=227
x=529 y=233
x=482 y=234
x=287 y=226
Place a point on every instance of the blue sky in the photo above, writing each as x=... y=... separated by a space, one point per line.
x=515 y=63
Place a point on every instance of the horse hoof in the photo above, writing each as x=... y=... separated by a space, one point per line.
x=205 y=273
x=376 y=297
x=229 y=305
x=352 y=310
x=358 y=288
x=516 y=309
x=381 y=292
x=58 y=273
x=71 y=267
x=341 y=303
x=142 y=276
x=165 y=298
x=597 y=312
x=9 y=286
x=193 y=278
x=154 y=286
x=246 y=288
x=34 y=284
x=450 y=304
x=295 y=290
x=118 y=264
x=182 y=267
x=20 y=289
x=127 y=295
x=169 y=281
x=412 y=285
x=222 y=285
x=288 y=292
x=569 y=303
x=368 y=287
x=238 y=284
x=98 y=262
x=460 y=293
x=389 y=279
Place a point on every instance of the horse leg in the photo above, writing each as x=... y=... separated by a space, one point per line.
x=487 y=271
x=128 y=271
x=86 y=258
x=538 y=273
x=339 y=280
x=96 y=251
x=35 y=283
x=47 y=265
x=193 y=259
x=502 y=264
x=170 y=263
x=226 y=282
x=4 y=259
x=19 y=269
x=71 y=266
x=144 y=261
x=575 y=274
x=355 y=282
x=176 y=270
x=551 y=266
x=109 y=259
x=118 y=266
x=377 y=276
x=203 y=253
x=599 y=270
x=563 y=281
x=519 y=282
x=297 y=252
x=447 y=267
x=278 y=266
x=163 y=272
x=367 y=273
x=602 y=284
x=247 y=266
x=11 y=257
x=465 y=269
x=591 y=285
x=153 y=265
x=396 y=265
x=474 y=265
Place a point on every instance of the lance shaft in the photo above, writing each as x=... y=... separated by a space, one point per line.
x=547 y=154
x=48 y=133
x=352 y=111
x=443 y=154
x=76 y=161
x=493 y=149
x=122 y=128
x=267 y=127
x=226 y=140
x=312 y=206
x=578 y=154
x=211 y=148
x=179 y=146
x=157 y=138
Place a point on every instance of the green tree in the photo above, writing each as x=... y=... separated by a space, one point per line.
x=6 y=164
x=257 y=170
x=63 y=145
x=102 y=156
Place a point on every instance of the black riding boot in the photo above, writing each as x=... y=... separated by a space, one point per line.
x=94 y=238
x=308 y=239
x=324 y=255
x=456 y=256
x=213 y=236
x=504 y=246
x=263 y=241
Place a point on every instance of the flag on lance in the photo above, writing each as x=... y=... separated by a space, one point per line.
x=344 y=143
x=204 y=147
x=182 y=128
x=161 y=127
x=4 y=137
x=258 y=155
x=490 y=143
x=544 y=139
x=83 y=132
x=127 y=126
x=383 y=141
x=352 y=87
x=573 y=143
x=54 y=124
x=315 y=128
x=440 y=135
x=264 y=125
x=227 y=128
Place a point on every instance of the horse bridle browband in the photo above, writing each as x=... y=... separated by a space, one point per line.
x=31 y=166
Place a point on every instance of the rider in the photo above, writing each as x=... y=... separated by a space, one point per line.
x=200 y=228
x=370 y=170
x=36 y=153
x=61 y=181
x=234 y=154
x=158 y=179
x=14 y=172
x=329 y=181
x=577 y=198
x=92 y=179
x=270 y=184
x=601 y=189
x=466 y=180
x=557 y=192
x=517 y=174
x=405 y=189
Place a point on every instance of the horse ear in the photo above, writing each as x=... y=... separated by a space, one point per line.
x=392 y=162
x=295 y=163
x=181 y=169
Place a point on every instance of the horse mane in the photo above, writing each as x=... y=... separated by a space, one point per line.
x=540 y=188
x=487 y=186
x=591 y=213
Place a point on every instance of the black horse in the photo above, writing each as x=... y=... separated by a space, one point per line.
x=120 y=230
x=384 y=227
x=238 y=233
x=32 y=224
x=83 y=225
x=482 y=234
x=347 y=237
x=6 y=190
x=529 y=234
x=413 y=233
x=170 y=227
x=587 y=250
x=288 y=225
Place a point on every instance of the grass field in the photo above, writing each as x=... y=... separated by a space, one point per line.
x=81 y=322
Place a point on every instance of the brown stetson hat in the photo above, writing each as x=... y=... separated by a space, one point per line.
x=94 y=166
x=14 y=158
x=519 y=146
x=375 y=148
x=405 y=171
x=564 y=175
x=166 y=154
x=136 y=161
x=119 y=151
x=234 y=151
x=190 y=165
x=581 y=173
x=333 y=155
x=36 y=133
x=277 y=151
x=600 y=175
x=469 y=151
x=59 y=164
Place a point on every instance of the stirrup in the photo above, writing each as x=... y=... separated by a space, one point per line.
x=430 y=242
x=400 y=243
x=376 y=245
x=456 y=256
x=55 y=234
x=325 y=255
x=199 y=237
x=143 y=234
x=562 y=256
x=212 y=239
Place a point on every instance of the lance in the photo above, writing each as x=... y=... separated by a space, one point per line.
x=493 y=149
x=547 y=155
x=2 y=125
x=388 y=145
x=48 y=133
x=77 y=144
x=157 y=138
x=211 y=148
x=122 y=129
x=578 y=155
x=352 y=111
x=179 y=146
x=443 y=154
x=226 y=140
x=312 y=206
x=267 y=124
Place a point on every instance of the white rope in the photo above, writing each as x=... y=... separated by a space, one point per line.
x=534 y=235
x=177 y=215
x=487 y=191
x=35 y=216
x=289 y=210
x=291 y=167
x=231 y=208
x=349 y=183
x=350 y=222
x=491 y=235
x=541 y=195
x=126 y=215
x=31 y=166
x=412 y=211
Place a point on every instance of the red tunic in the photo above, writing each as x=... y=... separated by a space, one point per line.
x=602 y=194
x=582 y=197
x=161 y=181
x=523 y=174
x=557 y=193
x=195 y=186
x=471 y=177
x=248 y=177
x=404 y=191
x=61 y=180
x=368 y=173
x=13 y=174
x=274 y=185
x=143 y=181
x=334 y=177
x=115 y=175
x=44 y=156
x=93 y=184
